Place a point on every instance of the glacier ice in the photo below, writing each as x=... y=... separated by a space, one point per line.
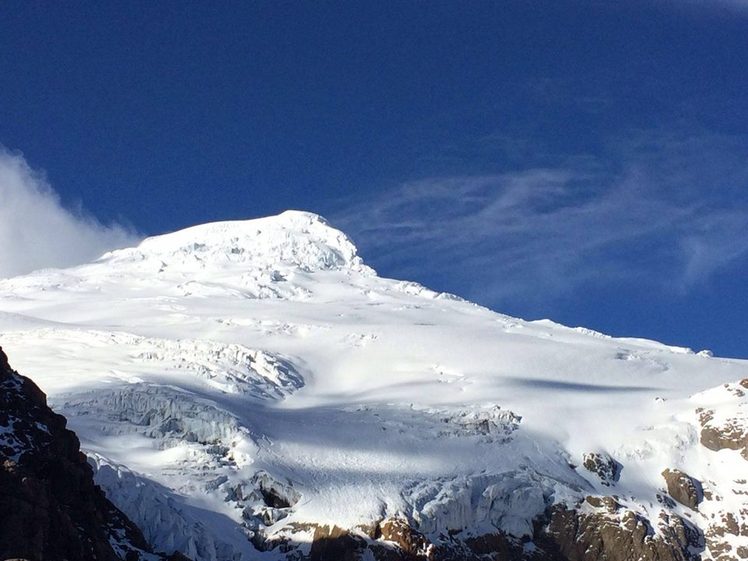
x=234 y=381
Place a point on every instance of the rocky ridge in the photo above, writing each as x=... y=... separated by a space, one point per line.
x=50 y=507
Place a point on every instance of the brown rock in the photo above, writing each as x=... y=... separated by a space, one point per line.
x=331 y=543
x=573 y=536
x=409 y=541
x=50 y=508
x=608 y=503
x=611 y=534
x=602 y=465
x=731 y=434
x=683 y=488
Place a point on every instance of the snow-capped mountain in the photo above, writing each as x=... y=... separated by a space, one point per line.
x=252 y=390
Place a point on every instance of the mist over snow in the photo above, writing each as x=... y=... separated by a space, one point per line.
x=37 y=231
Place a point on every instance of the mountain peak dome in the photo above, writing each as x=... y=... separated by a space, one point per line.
x=295 y=239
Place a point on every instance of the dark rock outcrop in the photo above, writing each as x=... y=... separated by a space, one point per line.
x=721 y=533
x=604 y=466
x=333 y=543
x=50 y=508
x=683 y=488
x=410 y=542
x=619 y=535
x=730 y=433
x=610 y=532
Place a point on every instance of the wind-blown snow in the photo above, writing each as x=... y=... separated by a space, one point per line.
x=240 y=376
x=37 y=230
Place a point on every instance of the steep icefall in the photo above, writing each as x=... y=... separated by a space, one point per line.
x=154 y=411
x=508 y=501
x=165 y=519
x=229 y=367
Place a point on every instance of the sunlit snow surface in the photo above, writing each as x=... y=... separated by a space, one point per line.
x=208 y=364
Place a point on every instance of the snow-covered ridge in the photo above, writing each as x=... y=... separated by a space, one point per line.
x=293 y=238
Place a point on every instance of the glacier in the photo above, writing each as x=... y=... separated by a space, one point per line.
x=237 y=383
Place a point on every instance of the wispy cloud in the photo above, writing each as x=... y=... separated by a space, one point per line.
x=36 y=231
x=661 y=209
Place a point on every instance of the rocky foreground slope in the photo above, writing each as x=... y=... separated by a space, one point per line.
x=50 y=508
x=252 y=390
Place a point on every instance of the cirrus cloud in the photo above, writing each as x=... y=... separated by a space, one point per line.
x=655 y=208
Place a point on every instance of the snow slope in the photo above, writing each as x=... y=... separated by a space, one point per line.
x=239 y=379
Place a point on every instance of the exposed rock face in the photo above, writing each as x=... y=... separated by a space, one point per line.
x=392 y=539
x=731 y=432
x=603 y=465
x=409 y=541
x=602 y=529
x=722 y=533
x=332 y=542
x=724 y=426
x=617 y=535
x=50 y=508
x=683 y=488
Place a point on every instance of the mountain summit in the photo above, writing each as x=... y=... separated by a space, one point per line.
x=252 y=390
x=292 y=239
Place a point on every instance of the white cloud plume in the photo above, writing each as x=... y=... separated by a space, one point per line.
x=665 y=210
x=36 y=231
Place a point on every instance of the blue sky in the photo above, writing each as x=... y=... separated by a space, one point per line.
x=583 y=161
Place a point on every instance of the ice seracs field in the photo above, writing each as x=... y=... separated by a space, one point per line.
x=253 y=390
